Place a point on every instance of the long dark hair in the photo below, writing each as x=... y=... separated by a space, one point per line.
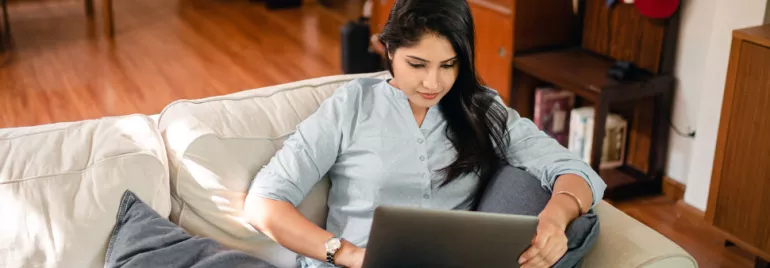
x=476 y=122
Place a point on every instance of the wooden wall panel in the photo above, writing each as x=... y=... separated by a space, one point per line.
x=545 y=24
x=622 y=33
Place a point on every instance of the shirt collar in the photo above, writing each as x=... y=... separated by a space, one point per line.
x=399 y=95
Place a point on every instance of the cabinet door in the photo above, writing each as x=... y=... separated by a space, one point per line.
x=380 y=12
x=739 y=205
x=494 y=40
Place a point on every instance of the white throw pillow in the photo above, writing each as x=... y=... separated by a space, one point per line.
x=217 y=145
x=60 y=187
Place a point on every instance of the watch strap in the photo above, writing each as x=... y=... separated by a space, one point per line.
x=330 y=253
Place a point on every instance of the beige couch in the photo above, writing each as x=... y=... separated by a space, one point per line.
x=60 y=183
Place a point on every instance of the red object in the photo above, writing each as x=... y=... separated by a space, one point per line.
x=657 y=9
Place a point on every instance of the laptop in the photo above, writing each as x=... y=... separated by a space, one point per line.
x=415 y=237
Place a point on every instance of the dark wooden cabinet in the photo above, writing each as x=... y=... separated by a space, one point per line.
x=739 y=198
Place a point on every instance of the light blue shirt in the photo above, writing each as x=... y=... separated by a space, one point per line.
x=366 y=139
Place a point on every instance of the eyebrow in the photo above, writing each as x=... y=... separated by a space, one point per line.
x=424 y=60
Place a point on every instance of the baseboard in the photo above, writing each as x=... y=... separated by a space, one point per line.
x=689 y=211
x=673 y=189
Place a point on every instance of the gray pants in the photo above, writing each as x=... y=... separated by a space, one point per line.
x=514 y=191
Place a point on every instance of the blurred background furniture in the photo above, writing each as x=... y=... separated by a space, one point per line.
x=5 y=30
x=522 y=45
x=738 y=198
x=109 y=28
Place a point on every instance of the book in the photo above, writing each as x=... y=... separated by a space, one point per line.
x=552 y=112
x=581 y=137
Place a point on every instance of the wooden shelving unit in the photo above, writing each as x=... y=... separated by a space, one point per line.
x=608 y=35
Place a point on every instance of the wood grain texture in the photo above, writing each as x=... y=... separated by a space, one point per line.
x=741 y=206
x=758 y=34
x=724 y=119
x=531 y=31
x=684 y=227
x=640 y=134
x=493 y=53
x=63 y=68
x=623 y=33
x=674 y=190
x=380 y=13
x=571 y=69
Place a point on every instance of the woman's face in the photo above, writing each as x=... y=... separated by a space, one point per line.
x=425 y=72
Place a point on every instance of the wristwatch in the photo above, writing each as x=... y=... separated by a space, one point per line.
x=332 y=245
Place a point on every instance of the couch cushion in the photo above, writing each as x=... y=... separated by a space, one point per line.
x=626 y=242
x=217 y=145
x=142 y=238
x=60 y=186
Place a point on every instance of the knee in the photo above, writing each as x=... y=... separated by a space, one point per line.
x=513 y=191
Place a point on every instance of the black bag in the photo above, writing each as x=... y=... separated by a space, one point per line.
x=281 y=4
x=356 y=56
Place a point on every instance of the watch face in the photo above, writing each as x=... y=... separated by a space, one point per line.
x=333 y=244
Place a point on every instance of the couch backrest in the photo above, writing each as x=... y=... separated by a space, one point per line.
x=60 y=187
x=217 y=145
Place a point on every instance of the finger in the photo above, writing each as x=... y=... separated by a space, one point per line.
x=554 y=254
x=541 y=240
x=530 y=253
x=553 y=250
x=535 y=262
x=550 y=249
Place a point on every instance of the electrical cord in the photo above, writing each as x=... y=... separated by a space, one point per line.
x=681 y=133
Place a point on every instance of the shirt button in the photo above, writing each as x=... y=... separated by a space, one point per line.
x=426 y=196
x=420 y=140
x=422 y=158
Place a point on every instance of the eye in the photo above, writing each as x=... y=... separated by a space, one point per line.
x=416 y=65
x=448 y=66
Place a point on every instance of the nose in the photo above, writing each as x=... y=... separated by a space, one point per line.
x=431 y=81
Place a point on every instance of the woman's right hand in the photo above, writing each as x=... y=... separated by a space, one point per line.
x=350 y=255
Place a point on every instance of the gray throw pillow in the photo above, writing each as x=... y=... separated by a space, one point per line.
x=142 y=238
x=514 y=191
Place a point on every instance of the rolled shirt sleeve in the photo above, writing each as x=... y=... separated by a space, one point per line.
x=307 y=154
x=537 y=153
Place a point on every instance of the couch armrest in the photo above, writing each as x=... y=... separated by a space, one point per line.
x=625 y=242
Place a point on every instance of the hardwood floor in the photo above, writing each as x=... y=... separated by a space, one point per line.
x=689 y=231
x=63 y=68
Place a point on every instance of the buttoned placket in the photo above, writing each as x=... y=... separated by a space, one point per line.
x=422 y=145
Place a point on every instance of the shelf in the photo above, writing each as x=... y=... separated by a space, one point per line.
x=577 y=70
x=625 y=182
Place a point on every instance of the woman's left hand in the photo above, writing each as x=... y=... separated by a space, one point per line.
x=548 y=246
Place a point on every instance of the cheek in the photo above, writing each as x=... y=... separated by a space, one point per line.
x=406 y=76
x=448 y=77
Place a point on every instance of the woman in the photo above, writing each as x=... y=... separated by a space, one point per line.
x=431 y=137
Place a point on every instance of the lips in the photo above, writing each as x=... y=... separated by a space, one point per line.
x=429 y=96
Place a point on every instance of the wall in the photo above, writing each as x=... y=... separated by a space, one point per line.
x=702 y=57
x=694 y=41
